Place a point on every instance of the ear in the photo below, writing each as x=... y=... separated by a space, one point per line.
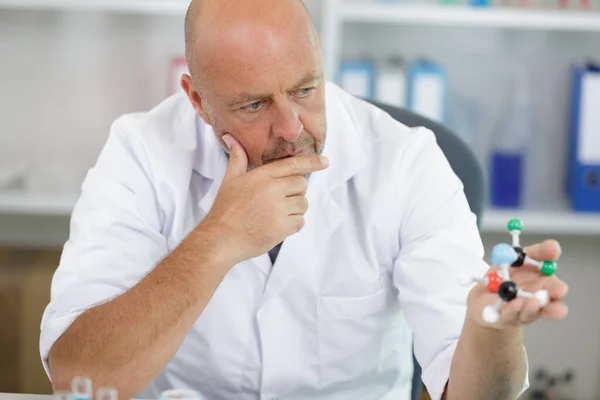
x=187 y=84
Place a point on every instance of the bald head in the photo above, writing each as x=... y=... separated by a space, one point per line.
x=214 y=26
x=191 y=17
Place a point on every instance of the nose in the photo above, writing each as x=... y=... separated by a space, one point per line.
x=287 y=123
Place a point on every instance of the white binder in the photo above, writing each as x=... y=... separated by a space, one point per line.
x=427 y=91
x=391 y=85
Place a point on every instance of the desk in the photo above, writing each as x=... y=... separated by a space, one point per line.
x=10 y=396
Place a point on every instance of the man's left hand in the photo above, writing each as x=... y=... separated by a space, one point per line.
x=522 y=311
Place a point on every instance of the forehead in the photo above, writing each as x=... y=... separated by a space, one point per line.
x=250 y=59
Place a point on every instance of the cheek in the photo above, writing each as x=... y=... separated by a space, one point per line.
x=254 y=138
x=314 y=119
x=314 y=122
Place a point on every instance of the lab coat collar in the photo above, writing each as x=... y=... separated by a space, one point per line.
x=344 y=148
x=211 y=159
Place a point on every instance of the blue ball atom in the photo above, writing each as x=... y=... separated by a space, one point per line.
x=503 y=254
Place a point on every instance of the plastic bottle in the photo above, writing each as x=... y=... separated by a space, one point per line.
x=463 y=119
x=510 y=151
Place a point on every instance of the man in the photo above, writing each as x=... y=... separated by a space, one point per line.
x=171 y=276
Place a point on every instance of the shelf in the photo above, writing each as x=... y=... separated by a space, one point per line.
x=463 y=16
x=20 y=203
x=560 y=222
x=549 y=222
x=165 y=7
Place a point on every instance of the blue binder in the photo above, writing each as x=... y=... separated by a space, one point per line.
x=583 y=178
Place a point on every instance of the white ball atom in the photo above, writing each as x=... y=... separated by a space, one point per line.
x=543 y=297
x=490 y=315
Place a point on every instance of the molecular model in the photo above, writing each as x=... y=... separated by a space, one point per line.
x=505 y=256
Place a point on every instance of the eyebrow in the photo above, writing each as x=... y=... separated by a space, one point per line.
x=310 y=78
x=247 y=98
x=251 y=98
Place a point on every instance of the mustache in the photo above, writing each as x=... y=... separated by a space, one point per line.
x=283 y=147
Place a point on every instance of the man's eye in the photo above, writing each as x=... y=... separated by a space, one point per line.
x=304 y=92
x=253 y=107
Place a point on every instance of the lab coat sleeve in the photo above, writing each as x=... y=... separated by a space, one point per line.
x=439 y=240
x=115 y=235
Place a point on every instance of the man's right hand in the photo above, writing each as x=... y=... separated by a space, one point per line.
x=256 y=210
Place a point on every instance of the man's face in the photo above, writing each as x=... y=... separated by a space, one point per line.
x=270 y=98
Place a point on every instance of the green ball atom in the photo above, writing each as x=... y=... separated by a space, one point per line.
x=515 y=225
x=549 y=268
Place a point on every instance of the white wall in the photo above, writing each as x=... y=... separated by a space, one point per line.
x=65 y=76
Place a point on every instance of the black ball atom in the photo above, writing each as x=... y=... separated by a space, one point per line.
x=508 y=291
x=521 y=259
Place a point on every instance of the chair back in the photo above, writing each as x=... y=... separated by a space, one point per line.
x=461 y=157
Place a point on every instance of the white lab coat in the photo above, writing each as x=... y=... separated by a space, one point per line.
x=387 y=233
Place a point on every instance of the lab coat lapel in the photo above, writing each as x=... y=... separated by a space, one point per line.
x=210 y=162
x=300 y=253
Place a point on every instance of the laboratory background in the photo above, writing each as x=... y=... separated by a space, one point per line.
x=518 y=81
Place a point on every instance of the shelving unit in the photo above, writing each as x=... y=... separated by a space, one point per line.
x=21 y=203
x=161 y=7
x=552 y=222
x=464 y=16
x=338 y=13
x=559 y=222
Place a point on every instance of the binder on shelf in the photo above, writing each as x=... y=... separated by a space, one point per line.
x=427 y=91
x=358 y=78
x=583 y=178
x=391 y=83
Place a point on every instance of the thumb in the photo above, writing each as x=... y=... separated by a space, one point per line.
x=238 y=159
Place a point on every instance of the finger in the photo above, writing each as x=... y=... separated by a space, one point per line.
x=301 y=165
x=556 y=288
x=295 y=223
x=295 y=185
x=296 y=205
x=238 y=159
x=530 y=312
x=548 y=250
x=554 y=311
x=509 y=313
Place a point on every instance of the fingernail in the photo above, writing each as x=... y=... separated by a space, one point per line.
x=324 y=161
x=227 y=140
